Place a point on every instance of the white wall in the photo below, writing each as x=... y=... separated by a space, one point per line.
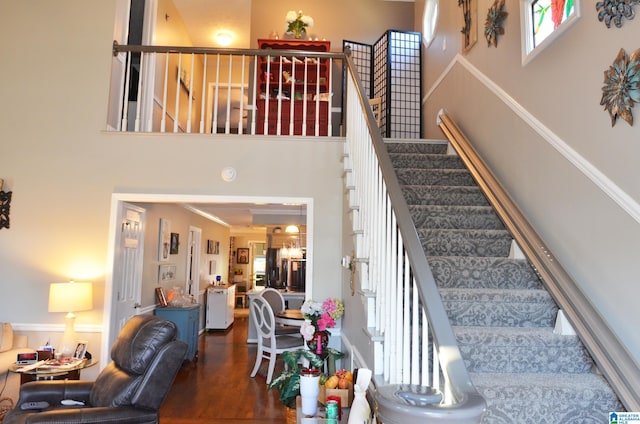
x=594 y=238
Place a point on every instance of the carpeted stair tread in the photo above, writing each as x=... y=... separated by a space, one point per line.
x=499 y=308
x=521 y=350
x=483 y=272
x=546 y=398
x=455 y=217
x=418 y=147
x=501 y=314
x=443 y=195
x=449 y=177
x=444 y=242
x=426 y=161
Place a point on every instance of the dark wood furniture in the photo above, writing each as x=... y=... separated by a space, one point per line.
x=294 y=93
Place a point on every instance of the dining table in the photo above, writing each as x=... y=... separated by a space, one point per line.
x=290 y=317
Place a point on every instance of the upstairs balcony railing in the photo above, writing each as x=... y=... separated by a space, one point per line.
x=224 y=91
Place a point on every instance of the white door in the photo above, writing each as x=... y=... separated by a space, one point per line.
x=193 y=261
x=127 y=267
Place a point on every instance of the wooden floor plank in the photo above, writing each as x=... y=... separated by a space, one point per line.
x=218 y=388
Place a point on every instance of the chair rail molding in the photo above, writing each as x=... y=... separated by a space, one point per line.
x=611 y=189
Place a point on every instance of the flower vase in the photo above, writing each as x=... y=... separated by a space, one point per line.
x=323 y=336
x=299 y=34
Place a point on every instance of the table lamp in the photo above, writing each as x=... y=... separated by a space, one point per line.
x=70 y=297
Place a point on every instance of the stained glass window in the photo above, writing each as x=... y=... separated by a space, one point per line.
x=543 y=22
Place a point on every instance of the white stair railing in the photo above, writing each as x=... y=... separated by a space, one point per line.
x=225 y=91
x=418 y=344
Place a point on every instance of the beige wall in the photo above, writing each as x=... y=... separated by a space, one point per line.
x=63 y=168
x=594 y=238
x=334 y=20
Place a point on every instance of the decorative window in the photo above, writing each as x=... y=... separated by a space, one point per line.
x=543 y=21
x=429 y=20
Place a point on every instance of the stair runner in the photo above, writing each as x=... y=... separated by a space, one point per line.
x=501 y=314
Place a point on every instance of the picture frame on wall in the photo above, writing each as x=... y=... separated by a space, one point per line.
x=175 y=243
x=164 y=240
x=242 y=256
x=209 y=247
x=212 y=267
x=166 y=273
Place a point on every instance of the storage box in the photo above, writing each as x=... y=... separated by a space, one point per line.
x=346 y=395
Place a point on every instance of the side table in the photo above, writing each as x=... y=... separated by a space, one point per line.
x=52 y=372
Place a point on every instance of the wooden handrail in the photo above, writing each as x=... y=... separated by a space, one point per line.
x=610 y=355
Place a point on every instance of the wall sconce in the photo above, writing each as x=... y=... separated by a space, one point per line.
x=5 y=203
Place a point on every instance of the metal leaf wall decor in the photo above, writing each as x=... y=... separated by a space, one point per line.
x=622 y=86
x=5 y=203
x=615 y=10
x=470 y=23
x=493 y=24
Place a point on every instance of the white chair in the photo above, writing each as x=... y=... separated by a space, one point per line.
x=276 y=301
x=269 y=345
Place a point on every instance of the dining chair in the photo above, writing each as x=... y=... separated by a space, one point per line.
x=276 y=301
x=269 y=345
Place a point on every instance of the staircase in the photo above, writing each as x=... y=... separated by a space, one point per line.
x=502 y=316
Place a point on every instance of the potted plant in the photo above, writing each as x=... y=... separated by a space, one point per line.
x=288 y=381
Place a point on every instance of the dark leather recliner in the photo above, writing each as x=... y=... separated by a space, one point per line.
x=145 y=360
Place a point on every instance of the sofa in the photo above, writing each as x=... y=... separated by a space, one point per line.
x=10 y=345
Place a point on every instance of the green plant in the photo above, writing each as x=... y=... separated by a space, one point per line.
x=288 y=381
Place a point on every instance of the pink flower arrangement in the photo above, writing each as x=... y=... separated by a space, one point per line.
x=320 y=316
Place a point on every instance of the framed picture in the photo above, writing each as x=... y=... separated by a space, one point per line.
x=175 y=243
x=166 y=273
x=212 y=267
x=209 y=247
x=216 y=247
x=242 y=256
x=162 y=300
x=81 y=349
x=164 y=240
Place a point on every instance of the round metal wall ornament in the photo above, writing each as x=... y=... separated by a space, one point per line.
x=622 y=86
x=615 y=10
x=493 y=23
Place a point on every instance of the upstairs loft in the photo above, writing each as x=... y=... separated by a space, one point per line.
x=286 y=87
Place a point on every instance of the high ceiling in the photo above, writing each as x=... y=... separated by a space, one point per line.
x=206 y=18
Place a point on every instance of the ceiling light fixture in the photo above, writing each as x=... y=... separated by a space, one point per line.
x=292 y=229
x=224 y=38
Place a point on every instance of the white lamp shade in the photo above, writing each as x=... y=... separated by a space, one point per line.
x=70 y=297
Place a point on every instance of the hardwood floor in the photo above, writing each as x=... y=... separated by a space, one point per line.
x=218 y=388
